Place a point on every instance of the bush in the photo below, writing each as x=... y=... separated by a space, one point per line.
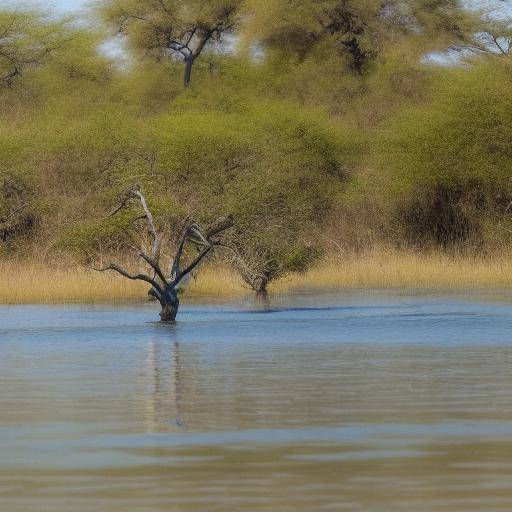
x=277 y=169
x=446 y=164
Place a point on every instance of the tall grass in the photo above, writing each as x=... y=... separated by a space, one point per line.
x=28 y=282
x=392 y=269
x=23 y=283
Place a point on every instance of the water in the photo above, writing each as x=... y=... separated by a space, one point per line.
x=362 y=402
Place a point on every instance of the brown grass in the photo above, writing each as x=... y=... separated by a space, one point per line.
x=391 y=269
x=22 y=283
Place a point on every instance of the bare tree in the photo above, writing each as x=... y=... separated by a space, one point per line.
x=165 y=282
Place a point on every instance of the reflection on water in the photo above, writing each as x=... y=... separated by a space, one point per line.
x=378 y=403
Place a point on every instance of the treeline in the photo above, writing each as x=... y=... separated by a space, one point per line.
x=318 y=125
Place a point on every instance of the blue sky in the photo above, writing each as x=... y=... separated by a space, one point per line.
x=68 y=4
x=63 y=5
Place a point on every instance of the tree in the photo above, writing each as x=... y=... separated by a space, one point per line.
x=139 y=237
x=27 y=39
x=276 y=167
x=357 y=30
x=260 y=262
x=445 y=163
x=176 y=28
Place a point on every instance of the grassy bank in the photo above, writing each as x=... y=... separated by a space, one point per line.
x=23 y=283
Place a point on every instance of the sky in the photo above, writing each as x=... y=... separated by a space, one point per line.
x=75 y=5
x=61 y=5
x=68 y=4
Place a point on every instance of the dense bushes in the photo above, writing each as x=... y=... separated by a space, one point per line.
x=447 y=162
x=278 y=171
x=306 y=153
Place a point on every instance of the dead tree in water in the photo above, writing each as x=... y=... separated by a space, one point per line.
x=165 y=282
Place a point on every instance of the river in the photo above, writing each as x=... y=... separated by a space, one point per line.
x=368 y=401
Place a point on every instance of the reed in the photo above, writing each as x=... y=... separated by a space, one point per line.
x=28 y=282
x=392 y=269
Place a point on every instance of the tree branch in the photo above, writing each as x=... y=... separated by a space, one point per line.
x=135 y=277
x=13 y=213
x=181 y=245
x=157 y=239
x=193 y=265
x=154 y=265
x=220 y=226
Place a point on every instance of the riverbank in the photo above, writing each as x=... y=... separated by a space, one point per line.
x=24 y=283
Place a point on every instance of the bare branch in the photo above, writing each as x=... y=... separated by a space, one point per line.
x=251 y=277
x=154 y=265
x=220 y=226
x=157 y=239
x=121 y=205
x=498 y=45
x=12 y=213
x=181 y=245
x=149 y=216
x=193 y=265
x=135 y=277
x=162 y=5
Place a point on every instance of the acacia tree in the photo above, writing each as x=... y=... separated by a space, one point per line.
x=164 y=281
x=262 y=260
x=27 y=39
x=357 y=30
x=176 y=28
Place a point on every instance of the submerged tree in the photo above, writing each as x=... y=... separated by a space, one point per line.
x=262 y=260
x=180 y=29
x=135 y=228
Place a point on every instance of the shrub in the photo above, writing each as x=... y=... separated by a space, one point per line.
x=446 y=164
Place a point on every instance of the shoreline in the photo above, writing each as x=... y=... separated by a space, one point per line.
x=31 y=283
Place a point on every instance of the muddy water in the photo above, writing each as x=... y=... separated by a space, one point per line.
x=363 y=402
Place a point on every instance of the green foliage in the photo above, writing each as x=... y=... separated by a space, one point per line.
x=30 y=39
x=276 y=169
x=448 y=160
x=172 y=27
x=325 y=117
x=356 y=30
x=87 y=239
x=299 y=258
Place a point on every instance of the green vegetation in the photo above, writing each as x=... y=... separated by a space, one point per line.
x=318 y=126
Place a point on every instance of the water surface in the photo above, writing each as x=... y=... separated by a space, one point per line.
x=360 y=402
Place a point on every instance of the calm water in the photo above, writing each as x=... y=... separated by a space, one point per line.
x=341 y=403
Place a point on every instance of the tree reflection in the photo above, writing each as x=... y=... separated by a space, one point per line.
x=163 y=378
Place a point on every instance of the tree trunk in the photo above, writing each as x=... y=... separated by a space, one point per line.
x=260 y=285
x=170 y=304
x=189 y=62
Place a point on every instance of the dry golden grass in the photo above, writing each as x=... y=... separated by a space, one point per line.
x=22 y=283
x=392 y=269
x=31 y=283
